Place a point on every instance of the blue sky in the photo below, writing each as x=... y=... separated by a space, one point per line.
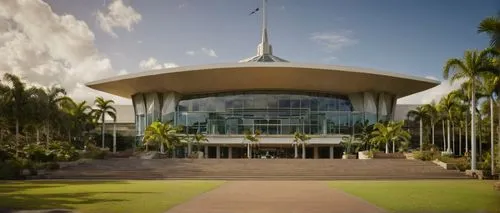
x=410 y=37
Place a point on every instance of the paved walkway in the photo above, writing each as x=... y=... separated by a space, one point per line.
x=275 y=197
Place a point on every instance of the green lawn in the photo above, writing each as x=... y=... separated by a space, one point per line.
x=101 y=196
x=426 y=196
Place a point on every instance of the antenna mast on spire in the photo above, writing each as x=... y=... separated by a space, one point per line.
x=264 y=46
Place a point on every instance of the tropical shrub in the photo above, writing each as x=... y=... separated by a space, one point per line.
x=425 y=155
x=63 y=151
x=10 y=169
x=94 y=152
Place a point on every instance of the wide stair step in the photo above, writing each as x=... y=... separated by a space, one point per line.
x=270 y=169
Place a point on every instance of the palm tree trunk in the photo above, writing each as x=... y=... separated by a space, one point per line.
x=296 y=151
x=387 y=147
x=473 y=129
x=47 y=132
x=453 y=136
x=449 y=137
x=466 y=132
x=492 y=138
x=69 y=136
x=114 y=137
x=102 y=130
x=460 y=141
x=303 y=150
x=421 y=136
x=37 y=135
x=432 y=127
x=444 y=135
x=393 y=146
x=249 y=155
x=17 y=130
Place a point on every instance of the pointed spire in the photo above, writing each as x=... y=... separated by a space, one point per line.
x=264 y=47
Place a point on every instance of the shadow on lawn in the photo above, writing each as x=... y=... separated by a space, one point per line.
x=17 y=186
x=55 y=200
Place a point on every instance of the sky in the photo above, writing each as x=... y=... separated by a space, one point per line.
x=71 y=42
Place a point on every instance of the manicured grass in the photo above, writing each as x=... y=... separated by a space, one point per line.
x=101 y=196
x=426 y=196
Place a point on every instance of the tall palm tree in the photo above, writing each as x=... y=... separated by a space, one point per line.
x=302 y=139
x=104 y=108
x=54 y=96
x=433 y=115
x=78 y=115
x=419 y=113
x=491 y=26
x=16 y=97
x=448 y=104
x=469 y=68
x=252 y=139
x=491 y=81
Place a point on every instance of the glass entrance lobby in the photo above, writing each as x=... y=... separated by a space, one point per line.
x=274 y=151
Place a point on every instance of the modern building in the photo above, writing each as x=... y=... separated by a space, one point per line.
x=265 y=93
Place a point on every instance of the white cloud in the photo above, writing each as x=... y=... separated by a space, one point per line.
x=152 y=64
x=139 y=41
x=204 y=51
x=46 y=49
x=118 y=15
x=122 y=72
x=429 y=95
x=334 y=40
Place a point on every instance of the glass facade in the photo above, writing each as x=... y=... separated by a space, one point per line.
x=273 y=113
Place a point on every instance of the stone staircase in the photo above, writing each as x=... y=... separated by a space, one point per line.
x=279 y=169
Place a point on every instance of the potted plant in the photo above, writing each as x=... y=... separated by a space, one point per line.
x=347 y=143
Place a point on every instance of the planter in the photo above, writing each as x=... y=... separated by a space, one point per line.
x=364 y=155
x=201 y=155
x=447 y=166
x=348 y=156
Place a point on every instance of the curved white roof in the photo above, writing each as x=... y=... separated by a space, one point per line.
x=255 y=76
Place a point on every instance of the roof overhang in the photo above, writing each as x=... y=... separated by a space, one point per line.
x=257 y=76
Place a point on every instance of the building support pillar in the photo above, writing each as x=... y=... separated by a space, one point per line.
x=230 y=152
x=218 y=151
x=316 y=154
x=205 y=152
x=331 y=151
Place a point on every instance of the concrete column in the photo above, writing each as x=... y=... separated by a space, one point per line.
x=316 y=154
x=331 y=151
x=205 y=152
x=230 y=152
x=218 y=151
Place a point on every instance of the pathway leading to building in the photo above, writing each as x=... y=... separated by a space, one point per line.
x=275 y=197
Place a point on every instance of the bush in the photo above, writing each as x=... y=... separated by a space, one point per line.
x=63 y=151
x=425 y=155
x=10 y=169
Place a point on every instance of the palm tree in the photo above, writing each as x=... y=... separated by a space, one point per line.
x=164 y=134
x=433 y=115
x=448 y=104
x=301 y=138
x=469 y=68
x=419 y=113
x=78 y=115
x=16 y=97
x=54 y=96
x=252 y=138
x=491 y=81
x=198 y=139
x=104 y=108
x=387 y=132
x=491 y=26
x=399 y=135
